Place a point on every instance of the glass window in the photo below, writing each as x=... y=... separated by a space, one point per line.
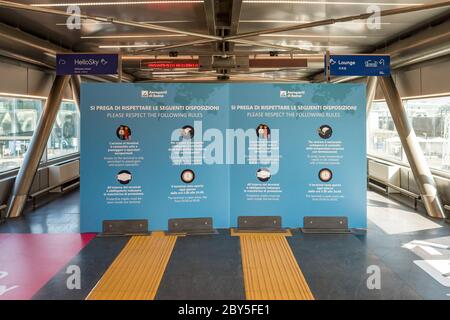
x=382 y=137
x=18 y=120
x=430 y=118
x=65 y=135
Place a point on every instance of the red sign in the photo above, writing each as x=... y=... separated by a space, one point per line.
x=170 y=64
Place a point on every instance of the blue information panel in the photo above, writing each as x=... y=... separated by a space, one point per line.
x=360 y=65
x=86 y=63
x=182 y=150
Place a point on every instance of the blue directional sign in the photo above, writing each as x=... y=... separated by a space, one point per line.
x=359 y=65
x=86 y=63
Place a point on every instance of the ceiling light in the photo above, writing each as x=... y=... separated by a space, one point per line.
x=84 y=23
x=155 y=73
x=301 y=22
x=92 y=22
x=131 y=46
x=329 y=47
x=308 y=36
x=27 y=96
x=134 y=36
x=110 y=3
x=332 y=3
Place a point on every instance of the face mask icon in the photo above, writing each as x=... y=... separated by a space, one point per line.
x=124 y=177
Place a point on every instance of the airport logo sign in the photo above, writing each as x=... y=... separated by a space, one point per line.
x=360 y=65
x=291 y=94
x=153 y=94
x=86 y=63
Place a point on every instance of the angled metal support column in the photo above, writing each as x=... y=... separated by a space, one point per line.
x=416 y=159
x=370 y=93
x=75 y=84
x=34 y=153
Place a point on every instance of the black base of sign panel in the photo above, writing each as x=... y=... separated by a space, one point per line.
x=325 y=225
x=124 y=227
x=191 y=226
x=259 y=224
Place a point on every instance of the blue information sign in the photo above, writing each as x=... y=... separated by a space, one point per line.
x=360 y=65
x=160 y=151
x=86 y=63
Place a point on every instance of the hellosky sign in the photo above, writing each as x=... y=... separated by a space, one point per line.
x=86 y=63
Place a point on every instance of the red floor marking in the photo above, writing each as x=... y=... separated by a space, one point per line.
x=28 y=261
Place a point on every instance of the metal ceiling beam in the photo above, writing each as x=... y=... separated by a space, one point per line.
x=363 y=16
x=422 y=174
x=14 y=35
x=235 y=15
x=75 y=85
x=212 y=38
x=288 y=49
x=27 y=171
x=214 y=10
x=210 y=16
x=430 y=43
x=17 y=36
x=236 y=38
x=22 y=58
x=371 y=90
x=148 y=26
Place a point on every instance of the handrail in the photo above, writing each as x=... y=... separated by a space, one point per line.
x=403 y=191
x=53 y=187
x=34 y=195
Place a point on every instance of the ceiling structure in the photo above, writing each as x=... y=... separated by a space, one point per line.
x=201 y=27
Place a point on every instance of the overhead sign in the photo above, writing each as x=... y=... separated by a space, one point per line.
x=359 y=65
x=86 y=63
x=170 y=64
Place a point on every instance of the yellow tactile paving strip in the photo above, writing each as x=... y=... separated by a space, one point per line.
x=137 y=271
x=270 y=269
x=237 y=233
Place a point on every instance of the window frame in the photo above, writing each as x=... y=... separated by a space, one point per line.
x=45 y=161
x=387 y=158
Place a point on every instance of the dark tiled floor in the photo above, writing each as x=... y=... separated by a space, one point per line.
x=335 y=266
x=55 y=215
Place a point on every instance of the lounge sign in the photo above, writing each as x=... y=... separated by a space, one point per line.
x=359 y=65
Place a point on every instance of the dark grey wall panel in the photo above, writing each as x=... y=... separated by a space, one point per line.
x=5 y=189
x=412 y=184
x=43 y=178
x=409 y=83
x=430 y=79
x=17 y=79
x=443 y=186
x=39 y=82
x=13 y=79
x=404 y=178
x=435 y=78
x=35 y=185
